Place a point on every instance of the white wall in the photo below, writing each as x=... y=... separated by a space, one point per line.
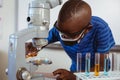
x=109 y=10
x=7 y=13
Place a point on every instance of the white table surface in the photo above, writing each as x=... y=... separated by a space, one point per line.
x=111 y=76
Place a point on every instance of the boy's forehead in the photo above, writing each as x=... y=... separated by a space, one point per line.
x=71 y=26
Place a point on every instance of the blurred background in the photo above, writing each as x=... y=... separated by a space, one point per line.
x=13 y=14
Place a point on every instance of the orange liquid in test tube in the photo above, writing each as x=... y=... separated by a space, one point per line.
x=97 y=67
x=97 y=64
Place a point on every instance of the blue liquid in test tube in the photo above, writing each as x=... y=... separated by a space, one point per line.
x=106 y=64
x=87 y=64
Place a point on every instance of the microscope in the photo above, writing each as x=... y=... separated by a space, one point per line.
x=38 y=27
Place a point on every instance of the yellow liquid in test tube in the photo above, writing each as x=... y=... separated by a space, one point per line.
x=97 y=66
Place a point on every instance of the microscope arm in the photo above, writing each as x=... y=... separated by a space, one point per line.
x=38 y=27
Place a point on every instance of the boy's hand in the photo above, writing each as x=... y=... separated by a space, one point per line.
x=63 y=74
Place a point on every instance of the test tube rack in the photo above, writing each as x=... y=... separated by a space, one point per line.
x=112 y=75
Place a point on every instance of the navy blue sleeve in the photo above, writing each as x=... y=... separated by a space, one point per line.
x=53 y=35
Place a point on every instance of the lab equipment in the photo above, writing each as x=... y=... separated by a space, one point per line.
x=79 y=62
x=39 y=61
x=111 y=76
x=87 y=64
x=23 y=74
x=106 y=64
x=115 y=62
x=97 y=64
x=38 y=27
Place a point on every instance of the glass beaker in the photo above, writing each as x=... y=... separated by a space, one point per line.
x=97 y=64
x=87 y=64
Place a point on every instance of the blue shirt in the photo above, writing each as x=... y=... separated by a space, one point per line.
x=98 y=39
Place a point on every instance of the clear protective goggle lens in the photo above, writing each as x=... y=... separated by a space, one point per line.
x=62 y=36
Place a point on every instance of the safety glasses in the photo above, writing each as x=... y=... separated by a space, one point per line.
x=72 y=36
x=65 y=37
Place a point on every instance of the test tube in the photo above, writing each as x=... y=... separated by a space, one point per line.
x=97 y=64
x=79 y=62
x=87 y=64
x=106 y=64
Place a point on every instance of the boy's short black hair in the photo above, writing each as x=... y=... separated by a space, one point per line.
x=72 y=7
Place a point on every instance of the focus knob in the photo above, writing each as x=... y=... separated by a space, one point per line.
x=23 y=74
